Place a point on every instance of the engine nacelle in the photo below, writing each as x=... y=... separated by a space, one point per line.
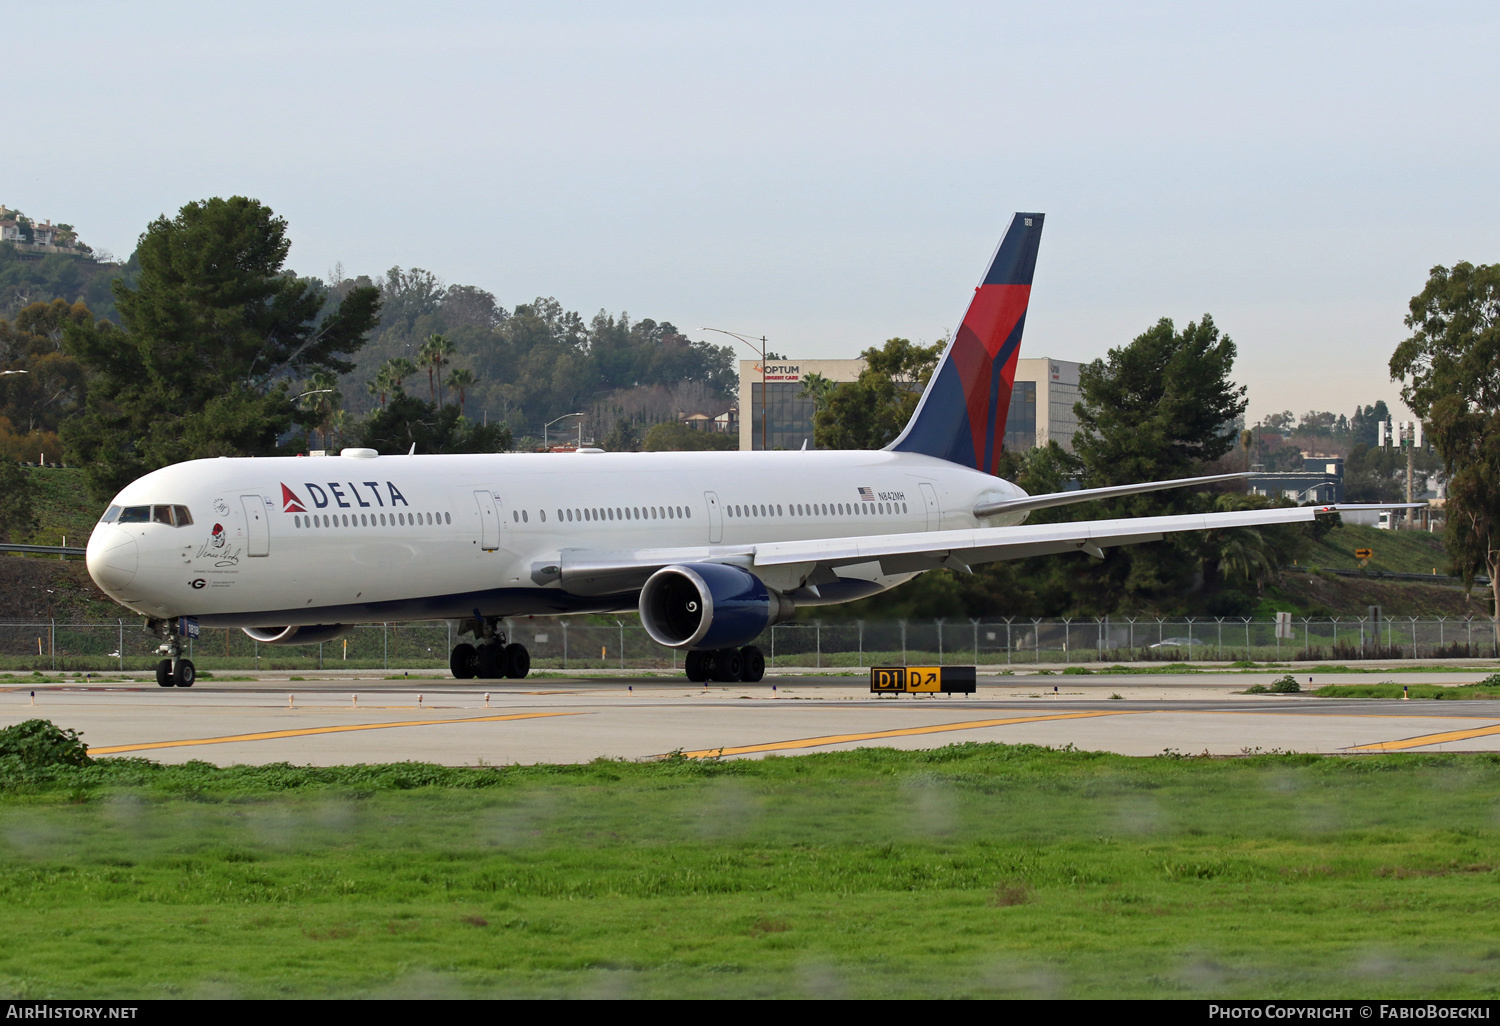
x=709 y=605
x=298 y=635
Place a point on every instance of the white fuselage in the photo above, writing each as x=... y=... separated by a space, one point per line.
x=347 y=539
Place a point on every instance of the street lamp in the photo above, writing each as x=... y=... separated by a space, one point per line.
x=762 y=351
x=15 y=372
x=565 y=416
x=316 y=391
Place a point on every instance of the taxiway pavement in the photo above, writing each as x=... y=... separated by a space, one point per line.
x=351 y=718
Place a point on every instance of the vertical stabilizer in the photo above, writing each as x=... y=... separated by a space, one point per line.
x=961 y=417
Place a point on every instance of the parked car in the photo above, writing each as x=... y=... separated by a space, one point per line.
x=1179 y=643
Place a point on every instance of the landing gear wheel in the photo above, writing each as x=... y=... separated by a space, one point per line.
x=487 y=662
x=752 y=664
x=186 y=674
x=697 y=667
x=517 y=661
x=727 y=665
x=164 y=674
x=461 y=661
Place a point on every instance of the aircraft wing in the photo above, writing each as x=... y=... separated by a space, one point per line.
x=814 y=560
x=1049 y=499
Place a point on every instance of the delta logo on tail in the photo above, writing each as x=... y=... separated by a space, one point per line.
x=961 y=417
x=289 y=501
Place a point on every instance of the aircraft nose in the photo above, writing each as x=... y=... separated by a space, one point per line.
x=112 y=558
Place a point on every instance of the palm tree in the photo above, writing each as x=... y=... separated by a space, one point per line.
x=400 y=369
x=338 y=423
x=426 y=355
x=459 y=379
x=382 y=384
x=440 y=351
x=322 y=398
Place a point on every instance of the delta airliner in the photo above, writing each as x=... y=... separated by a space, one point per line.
x=709 y=547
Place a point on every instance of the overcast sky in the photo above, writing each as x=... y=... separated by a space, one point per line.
x=829 y=175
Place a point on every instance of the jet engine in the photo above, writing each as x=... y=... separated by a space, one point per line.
x=310 y=635
x=709 y=606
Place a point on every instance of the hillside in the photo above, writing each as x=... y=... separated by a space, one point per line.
x=63 y=506
x=1308 y=593
x=1406 y=552
x=42 y=587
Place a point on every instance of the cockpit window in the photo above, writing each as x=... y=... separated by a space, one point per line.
x=169 y=515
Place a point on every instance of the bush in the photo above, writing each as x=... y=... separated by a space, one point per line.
x=33 y=744
x=1287 y=685
x=1257 y=689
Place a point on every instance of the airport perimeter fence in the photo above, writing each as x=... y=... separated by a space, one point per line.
x=575 y=644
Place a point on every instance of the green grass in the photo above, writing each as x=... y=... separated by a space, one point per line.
x=974 y=870
x=1406 y=552
x=1388 y=689
x=63 y=507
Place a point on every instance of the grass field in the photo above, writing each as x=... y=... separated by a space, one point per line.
x=973 y=870
x=1406 y=552
x=63 y=507
x=1389 y=689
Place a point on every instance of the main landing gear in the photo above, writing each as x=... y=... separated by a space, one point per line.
x=730 y=665
x=173 y=671
x=490 y=658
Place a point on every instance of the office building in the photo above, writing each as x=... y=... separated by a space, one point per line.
x=1041 y=406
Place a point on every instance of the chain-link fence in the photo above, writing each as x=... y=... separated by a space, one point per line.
x=589 y=644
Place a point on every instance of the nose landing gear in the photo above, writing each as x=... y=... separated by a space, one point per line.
x=173 y=671
x=490 y=658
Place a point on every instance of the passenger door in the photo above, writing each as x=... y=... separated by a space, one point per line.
x=257 y=526
x=489 y=521
x=715 y=518
x=934 y=515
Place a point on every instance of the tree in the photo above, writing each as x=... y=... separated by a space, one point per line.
x=1364 y=426
x=1450 y=367
x=460 y=380
x=322 y=400
x=1159 y=407
x=870 y=411
x=17 y=513
x=33 y=404
x=406 y=421
x=215 y=333
x=624 y=437
x=1156 y=409
x=435 y=352
x=670 y=436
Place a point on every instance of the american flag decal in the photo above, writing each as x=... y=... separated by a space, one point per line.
x=867 y=494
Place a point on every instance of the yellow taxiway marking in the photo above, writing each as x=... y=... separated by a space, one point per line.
x=1426 y=739
x=838 y=739
x=271 y=735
